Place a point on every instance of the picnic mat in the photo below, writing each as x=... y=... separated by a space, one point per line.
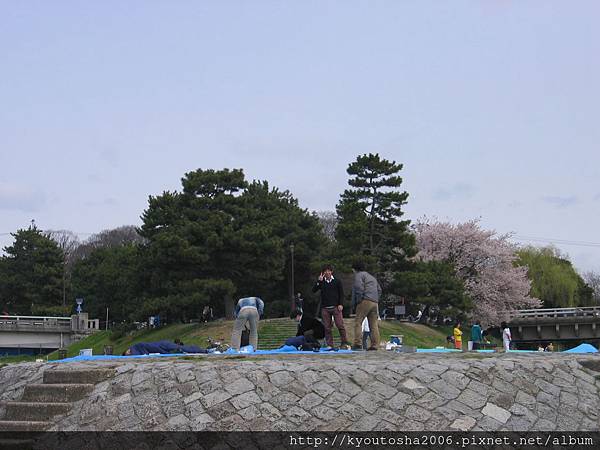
x=287 y=349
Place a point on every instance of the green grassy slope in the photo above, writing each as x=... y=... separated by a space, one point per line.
x=272 y=332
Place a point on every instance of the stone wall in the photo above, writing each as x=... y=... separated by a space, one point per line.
x=14 y=377
x=365 y=391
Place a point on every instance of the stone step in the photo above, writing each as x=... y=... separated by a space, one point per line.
x=60 y=393
x=23 y=426
x=34 y=411
x=77 y=376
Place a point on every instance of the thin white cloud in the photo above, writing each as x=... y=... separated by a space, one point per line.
x=15 y=197
x=560 y=202
x=109 y=201
x=110 y=157
x=455 y=192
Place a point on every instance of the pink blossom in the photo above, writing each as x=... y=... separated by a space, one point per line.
x=484 y=261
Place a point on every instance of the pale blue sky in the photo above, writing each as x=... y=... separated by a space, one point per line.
x=492 y=106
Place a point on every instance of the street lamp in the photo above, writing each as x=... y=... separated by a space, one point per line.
x=292 y=277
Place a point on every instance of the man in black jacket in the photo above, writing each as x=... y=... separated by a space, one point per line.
x=332 y=298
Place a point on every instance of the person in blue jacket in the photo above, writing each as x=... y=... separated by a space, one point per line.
x=248 y=310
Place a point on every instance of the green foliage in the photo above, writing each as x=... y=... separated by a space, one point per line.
x=109 y=278
x=120 y=330
x=370 y=212
x=54 y=311
x=553 y=278
x=433 y=283
x=31 y=273
x=221 y=237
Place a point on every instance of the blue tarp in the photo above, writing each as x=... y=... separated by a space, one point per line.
x=583 y=348
x=243 y=351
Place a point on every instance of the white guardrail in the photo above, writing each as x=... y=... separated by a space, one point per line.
x=591 y=311
x=33 y=323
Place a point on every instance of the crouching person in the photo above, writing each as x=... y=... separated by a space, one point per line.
x=248 y=310
x=304 y=342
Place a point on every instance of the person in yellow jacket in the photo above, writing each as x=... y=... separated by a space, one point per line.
x=457 y=336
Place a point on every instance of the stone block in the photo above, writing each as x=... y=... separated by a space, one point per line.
x=336 y=400
x=456 y=379
x=311 y=400
x=463 y=423
x=550 y=400
x=463 y=409
x=388 y=416
x=365 y=423
x=200 y=422
x=378 y=388
x=423 y=375
x=417 y=413
x=443 y=389
x=188 y=388
x=544 y=425
x=523 y=398
x=437 y=369
x=472 y=399
x=185 y=376
x=322 y=388
x=250 y=413
x=431 y=401
x=281 y=379
x=324 y=412
x=547 y=387
x=361 y=378
x=349 y=388
x=368 y=402
x=496 y=413
x=178 y=423
x=214 y=398
x=244 y=400
x=501 y=399
x=398 y=402
x=296 y=415
x=284 y=401
x=222 y=411
x=269 y=412
x=351 y=411
x=203 y=375
x=239 y=386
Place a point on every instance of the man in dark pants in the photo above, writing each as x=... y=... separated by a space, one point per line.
x=332 y=298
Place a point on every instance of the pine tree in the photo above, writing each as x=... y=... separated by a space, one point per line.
x=370 y=214
x=31 y=274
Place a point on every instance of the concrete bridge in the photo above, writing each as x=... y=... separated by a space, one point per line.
x=558 y=324
x=38 y=334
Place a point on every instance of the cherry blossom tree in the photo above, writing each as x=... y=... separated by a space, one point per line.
x=485 y=263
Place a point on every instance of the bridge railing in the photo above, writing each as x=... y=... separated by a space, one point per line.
x=591 y=311
x=34 y=323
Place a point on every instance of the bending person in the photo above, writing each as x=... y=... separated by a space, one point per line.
x=307 y=325
x=248 y=310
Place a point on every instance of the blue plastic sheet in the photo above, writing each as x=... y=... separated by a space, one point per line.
x=583 y=348
x=285 y=349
